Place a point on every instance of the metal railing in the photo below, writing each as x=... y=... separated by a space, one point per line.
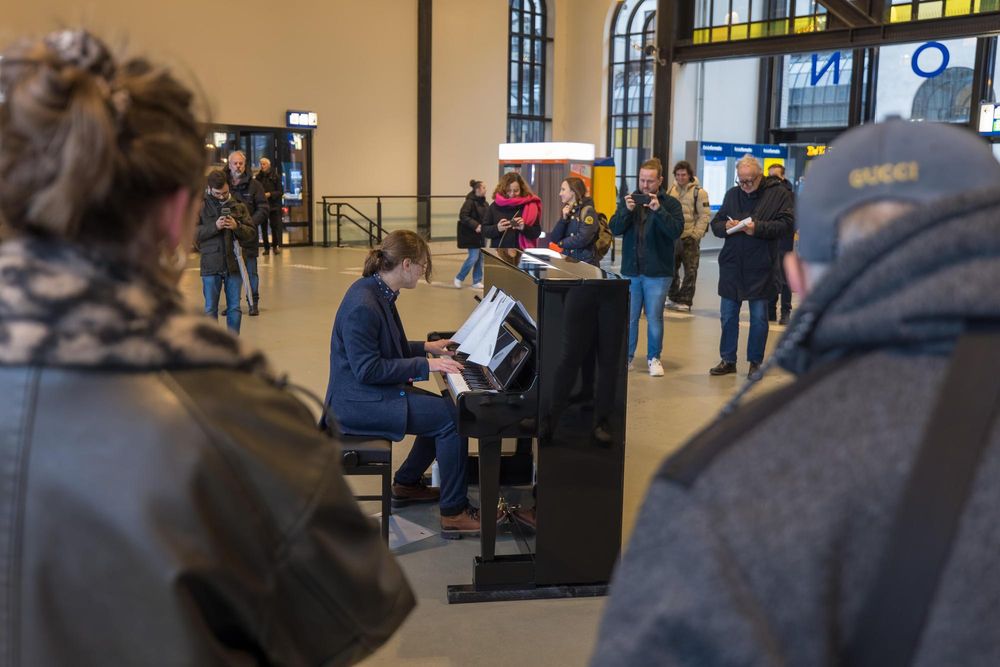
x=339 y=210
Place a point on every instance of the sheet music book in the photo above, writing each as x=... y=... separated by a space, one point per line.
x=477 y=337
x=475 y=316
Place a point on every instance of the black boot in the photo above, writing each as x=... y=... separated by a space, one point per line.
x=254 y=311
x=724 y=368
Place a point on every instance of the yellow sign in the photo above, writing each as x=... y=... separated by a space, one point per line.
x=814 y=151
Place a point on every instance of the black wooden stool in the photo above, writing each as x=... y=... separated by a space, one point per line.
x=363 y=455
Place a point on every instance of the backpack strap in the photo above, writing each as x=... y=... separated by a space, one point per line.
x=892 y=620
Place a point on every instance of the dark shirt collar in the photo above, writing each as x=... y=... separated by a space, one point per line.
x=384 y=291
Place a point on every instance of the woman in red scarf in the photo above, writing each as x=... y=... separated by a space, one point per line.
x=514 y=218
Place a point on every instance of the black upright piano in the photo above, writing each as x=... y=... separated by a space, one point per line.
x=568 y=397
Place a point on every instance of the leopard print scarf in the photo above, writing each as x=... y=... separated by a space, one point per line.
x=68 y=307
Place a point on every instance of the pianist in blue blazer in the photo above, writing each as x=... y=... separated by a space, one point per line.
x=372 y=370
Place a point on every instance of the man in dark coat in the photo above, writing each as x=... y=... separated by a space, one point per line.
x=270 y=180
x=223 y=220
x=761 y=541
x=250 y=192
x=785 y=245
x=748 y=263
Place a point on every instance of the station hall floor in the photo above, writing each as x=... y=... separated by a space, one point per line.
x=300 y=292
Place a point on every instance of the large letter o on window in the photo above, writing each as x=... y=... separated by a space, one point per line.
x=915 y=61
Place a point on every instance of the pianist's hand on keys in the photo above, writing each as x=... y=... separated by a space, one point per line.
x=441 y=360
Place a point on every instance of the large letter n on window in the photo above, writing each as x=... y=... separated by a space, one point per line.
x=834 y=62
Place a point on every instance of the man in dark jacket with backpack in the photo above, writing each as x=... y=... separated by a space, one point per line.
x=774 y=537
x=748 y=263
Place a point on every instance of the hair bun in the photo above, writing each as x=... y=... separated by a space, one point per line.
x=473 y=183
x=81 y=49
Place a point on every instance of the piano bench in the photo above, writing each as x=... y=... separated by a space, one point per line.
x=364 y=455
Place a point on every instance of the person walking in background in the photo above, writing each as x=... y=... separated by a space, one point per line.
x=270 y=181
x=649 y=222
x=576 y=232
x=687 y=251
x=514 y=219
x=470 y=234
x=785 y=245
x=748 y=262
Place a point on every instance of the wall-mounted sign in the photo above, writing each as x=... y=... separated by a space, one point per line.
x=815 y=151
x=301 y=119
x=718 y=151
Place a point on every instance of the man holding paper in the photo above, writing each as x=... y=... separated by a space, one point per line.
x=753 y=216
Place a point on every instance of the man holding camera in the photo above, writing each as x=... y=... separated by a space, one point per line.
x=649 y=222
x=223 y=219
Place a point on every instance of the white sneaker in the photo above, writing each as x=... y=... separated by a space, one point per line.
x=458 y=283
x=477 y=286
x=669 y=305
x=683 y=308
x=631 y=366
x=655 y=368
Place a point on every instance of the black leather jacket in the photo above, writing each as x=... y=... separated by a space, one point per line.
x=189 y=517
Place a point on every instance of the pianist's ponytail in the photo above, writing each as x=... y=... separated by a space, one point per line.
x=397 y=246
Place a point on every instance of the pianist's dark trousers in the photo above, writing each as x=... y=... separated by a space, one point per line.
x=433 y=419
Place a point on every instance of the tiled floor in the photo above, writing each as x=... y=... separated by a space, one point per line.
x=300 y=291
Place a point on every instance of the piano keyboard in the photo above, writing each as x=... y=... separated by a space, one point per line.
x=472 y=378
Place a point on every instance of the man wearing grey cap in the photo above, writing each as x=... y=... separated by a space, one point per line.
x=853 y=515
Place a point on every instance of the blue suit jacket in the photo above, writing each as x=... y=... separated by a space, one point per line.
x=371 y=370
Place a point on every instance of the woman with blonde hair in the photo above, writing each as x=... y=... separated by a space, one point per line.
x=165 y=499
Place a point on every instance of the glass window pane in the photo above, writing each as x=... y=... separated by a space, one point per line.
x=929 y=81
x=815 y=89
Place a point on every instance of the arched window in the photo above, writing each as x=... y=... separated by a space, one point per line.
x=630 y=89
x=945 y=98
x=526 y=119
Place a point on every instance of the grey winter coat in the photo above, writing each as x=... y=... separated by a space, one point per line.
x=249 y=191
x=759 y=540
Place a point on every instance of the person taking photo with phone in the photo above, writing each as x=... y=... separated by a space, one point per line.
x=223 y=218
x=649 y=222
x=513 y=220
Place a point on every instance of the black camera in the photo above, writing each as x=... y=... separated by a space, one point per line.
x=640 y=198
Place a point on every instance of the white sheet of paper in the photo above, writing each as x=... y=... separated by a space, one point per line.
x=482 y=341
x=739 y=227
x=475 y=316
x=542 y=252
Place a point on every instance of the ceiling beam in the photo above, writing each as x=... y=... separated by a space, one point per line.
x=849 y=14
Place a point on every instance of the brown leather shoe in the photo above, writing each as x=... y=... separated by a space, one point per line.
x=457 y=526
x=525 y=517
x=403 y=495
x=466 y=523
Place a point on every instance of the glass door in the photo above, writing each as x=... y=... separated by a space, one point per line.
x=290 y=153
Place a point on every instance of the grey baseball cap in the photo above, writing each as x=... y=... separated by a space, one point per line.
x=895 y=160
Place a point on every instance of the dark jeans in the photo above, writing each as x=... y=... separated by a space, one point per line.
x=276 y=229
x=251 y=263
x=785 y=292
x=687 y=254
x=212 y=286
x=731 y=330
x=432 y=419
